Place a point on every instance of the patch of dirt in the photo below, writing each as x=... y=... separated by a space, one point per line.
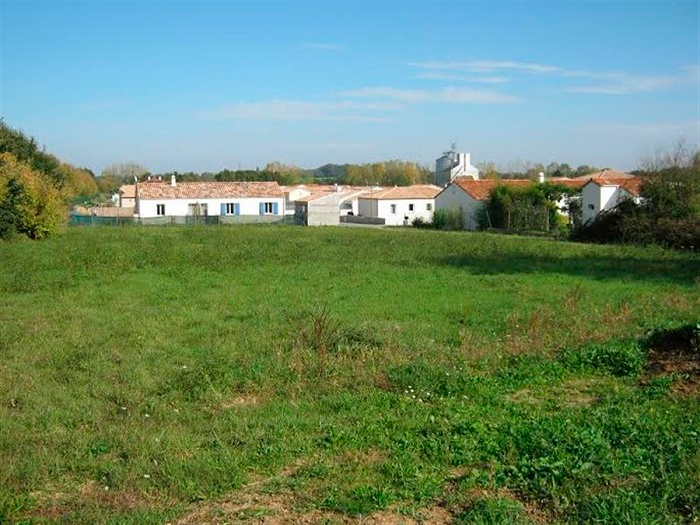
x=570 y=394
x=279 y=509
x=533 y=511
x=240 y=401
x=53 y=505
x=676 y=352
x=257 y=504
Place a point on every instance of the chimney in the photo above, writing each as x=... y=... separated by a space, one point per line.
x=172 y=180
x=541 y=177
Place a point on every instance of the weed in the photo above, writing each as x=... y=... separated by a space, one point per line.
x=620 y=358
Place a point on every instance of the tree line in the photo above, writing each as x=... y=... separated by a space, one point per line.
x=36 y=188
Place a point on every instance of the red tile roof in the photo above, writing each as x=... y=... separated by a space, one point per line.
x=631 y=186
x=128 y=191
x=210 y=190
x=606 y=174
x=480 y=189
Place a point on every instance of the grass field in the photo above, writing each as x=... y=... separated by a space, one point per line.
x=298 y=375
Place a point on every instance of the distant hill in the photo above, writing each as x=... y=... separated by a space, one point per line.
x=328 y=172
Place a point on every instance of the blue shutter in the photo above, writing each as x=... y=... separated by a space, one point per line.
x=237 y=209
x=262 y=208
x=223 y=208
x=274 y=208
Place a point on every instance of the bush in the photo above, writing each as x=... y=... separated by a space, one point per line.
x=451 y=219
x=29 y=204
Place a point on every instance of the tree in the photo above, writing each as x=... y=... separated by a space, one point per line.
x=584 y=169
x=29 y=203
x=124 y=170
x=488 y=170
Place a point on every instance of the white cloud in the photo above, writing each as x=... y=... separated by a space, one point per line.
x=441 y=75
x=587 y=82
x=623 y=84
x=446 y=95
x=488 y=66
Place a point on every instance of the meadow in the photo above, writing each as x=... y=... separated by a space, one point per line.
x=278 y=374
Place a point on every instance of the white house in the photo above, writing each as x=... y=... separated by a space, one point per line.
x=399 y=206
x=606 y=189
x=263 y=200
x=452 y=165
x=467 y=195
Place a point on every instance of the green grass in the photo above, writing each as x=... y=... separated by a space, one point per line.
x=147 y=373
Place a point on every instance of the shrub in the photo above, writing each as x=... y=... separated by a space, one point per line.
x=451 y=219
x=29 y=204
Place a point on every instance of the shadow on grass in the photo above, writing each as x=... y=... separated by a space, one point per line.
x=680 y=268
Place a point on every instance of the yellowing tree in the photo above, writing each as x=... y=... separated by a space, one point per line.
x=29 y=204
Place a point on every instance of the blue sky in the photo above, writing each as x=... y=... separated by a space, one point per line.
x=211 y=85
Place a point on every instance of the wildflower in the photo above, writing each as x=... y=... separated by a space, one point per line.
x=147 y=476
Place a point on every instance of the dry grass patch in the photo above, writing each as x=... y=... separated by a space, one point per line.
x=570 y=394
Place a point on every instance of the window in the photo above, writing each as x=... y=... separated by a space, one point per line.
x=160 y=209
x=429 y=206
x=268 y=208
x=410 y=207
x=230 y=208
x=393 y=208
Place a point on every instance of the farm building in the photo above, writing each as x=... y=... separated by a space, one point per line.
x=257 y=201
x=606 y=189
x=453 y=165
x=399 y=206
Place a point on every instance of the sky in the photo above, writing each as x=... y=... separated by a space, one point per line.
x=203 y=86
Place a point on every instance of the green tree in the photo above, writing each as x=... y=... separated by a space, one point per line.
x=29 y=203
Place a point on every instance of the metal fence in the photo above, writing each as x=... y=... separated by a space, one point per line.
x=88 y=220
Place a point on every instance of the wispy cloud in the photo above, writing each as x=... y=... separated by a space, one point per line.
x=625 y=84
x=441 y=75
x=582 y=82
x=297 y=110
x=487 y=66
x=449 y=95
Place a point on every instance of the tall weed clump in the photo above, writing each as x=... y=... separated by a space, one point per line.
x=619 y=358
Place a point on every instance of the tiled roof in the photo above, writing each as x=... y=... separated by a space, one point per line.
x=480 y=189
x=210 y=190
x=606 y=174
x=631 y=186
x=128 y=191
x=418 y=191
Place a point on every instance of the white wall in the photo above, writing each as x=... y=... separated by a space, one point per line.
x=595 y=199
x=455 y=198
x=180 y=207
x=402 y=215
